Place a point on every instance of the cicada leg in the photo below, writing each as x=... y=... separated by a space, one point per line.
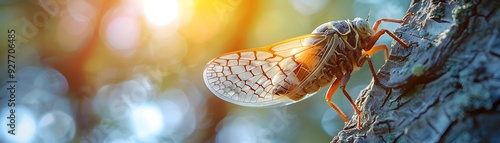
x=376 y=49
x=329 y=96
x=382 y=31
x=377 y=23
x=342 y=82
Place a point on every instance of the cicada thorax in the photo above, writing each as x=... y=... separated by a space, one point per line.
x=349 y=49
x=343 y=58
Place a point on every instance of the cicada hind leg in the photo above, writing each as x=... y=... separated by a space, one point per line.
x=342 y=82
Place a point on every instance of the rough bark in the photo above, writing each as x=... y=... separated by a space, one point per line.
x=446 y=88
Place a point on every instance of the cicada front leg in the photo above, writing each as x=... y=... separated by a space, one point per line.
x=376 y=36
x=374 y=49
x=377 y=23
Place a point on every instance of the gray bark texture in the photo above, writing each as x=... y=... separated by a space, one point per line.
x=445 y=87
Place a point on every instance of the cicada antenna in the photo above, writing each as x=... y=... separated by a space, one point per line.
x=369 y=11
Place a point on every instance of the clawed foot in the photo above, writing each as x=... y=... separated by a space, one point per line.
x=406 y=16
x=414 y=44
x=387 y=89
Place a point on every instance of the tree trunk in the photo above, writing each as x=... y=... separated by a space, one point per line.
x=446 y=88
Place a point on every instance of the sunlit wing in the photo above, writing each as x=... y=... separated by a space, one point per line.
x=248 y=77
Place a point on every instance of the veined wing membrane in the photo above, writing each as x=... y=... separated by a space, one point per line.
x=249 y=77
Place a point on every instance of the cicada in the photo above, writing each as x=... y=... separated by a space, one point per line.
x=292 y=70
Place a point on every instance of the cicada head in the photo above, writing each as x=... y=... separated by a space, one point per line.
x=364 y=31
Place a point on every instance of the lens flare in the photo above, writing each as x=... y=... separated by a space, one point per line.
x=160 y=12
x=23 y=125
x=147 y=121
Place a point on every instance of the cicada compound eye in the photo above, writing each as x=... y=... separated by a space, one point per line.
x=362 y=25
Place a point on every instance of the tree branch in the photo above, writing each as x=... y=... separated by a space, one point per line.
x=447 y=88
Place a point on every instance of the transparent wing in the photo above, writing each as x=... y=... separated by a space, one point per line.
x=250 y=77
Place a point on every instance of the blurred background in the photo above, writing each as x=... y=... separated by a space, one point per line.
x=131 y=70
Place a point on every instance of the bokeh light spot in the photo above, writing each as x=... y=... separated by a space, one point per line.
x=308 y=7
x=72 y=33
x=24 y=124
x=81 y=10
x=136 y=91
x=173 y=116
x=122 y=34
x=51 y=80
x=147 y=121
x=160 y=12
x=242 y=128
x=56 y=126
x=331 y=122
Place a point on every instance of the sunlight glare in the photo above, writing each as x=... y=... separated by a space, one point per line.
x=25 y=126
x=160 y=12
x=147 y=120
